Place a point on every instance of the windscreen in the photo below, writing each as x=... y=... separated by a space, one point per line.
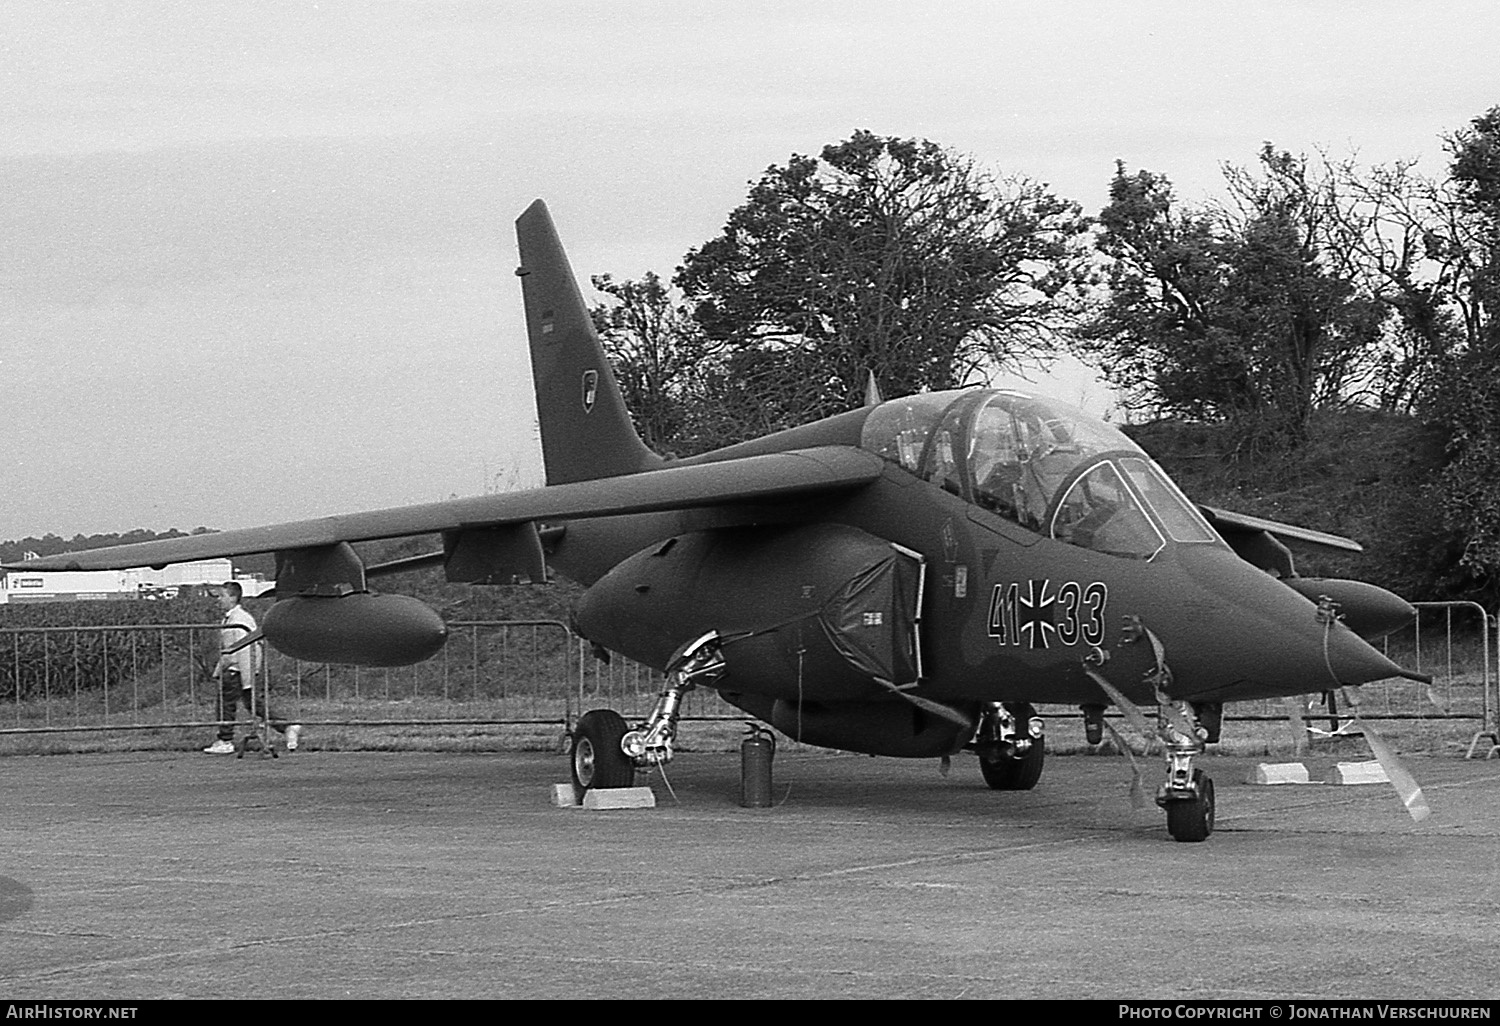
x=1180 y=517
x=1045 y=465
x=1099 y=512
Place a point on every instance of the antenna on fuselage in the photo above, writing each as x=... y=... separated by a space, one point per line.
x=872 y=390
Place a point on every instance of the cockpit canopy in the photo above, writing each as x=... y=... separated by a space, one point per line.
x=1045 y=465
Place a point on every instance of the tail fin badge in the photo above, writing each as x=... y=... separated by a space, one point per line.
x=590 y=389
x=547 y=322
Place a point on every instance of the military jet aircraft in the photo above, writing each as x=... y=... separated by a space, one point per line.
x=908 y=579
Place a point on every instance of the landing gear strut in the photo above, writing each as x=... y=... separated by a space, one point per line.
x=1187 y=795
x=606 y=752
x=698 y=660
x=1011 y=744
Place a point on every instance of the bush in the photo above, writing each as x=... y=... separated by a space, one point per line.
x=37 y=637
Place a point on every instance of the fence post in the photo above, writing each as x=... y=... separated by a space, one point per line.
x=578 y=644
x=1491 y=727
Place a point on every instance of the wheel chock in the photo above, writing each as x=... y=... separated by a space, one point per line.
x=565 y=796
x=620 y=798
x=1278 y=773
x=1357 y=773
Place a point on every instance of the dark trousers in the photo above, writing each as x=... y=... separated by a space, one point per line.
x=233 y=693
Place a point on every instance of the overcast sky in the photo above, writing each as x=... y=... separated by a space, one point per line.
x=256 y=257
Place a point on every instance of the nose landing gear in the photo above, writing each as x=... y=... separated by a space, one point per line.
x=1187 y=795
x=1190 y=817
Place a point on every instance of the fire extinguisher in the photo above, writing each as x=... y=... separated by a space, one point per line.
x=756 y=752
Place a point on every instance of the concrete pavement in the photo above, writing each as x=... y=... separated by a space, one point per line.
x=372 y=875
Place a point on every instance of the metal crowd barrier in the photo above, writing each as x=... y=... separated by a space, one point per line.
x=1456 y=643
x=514 y=672
x=150 y=677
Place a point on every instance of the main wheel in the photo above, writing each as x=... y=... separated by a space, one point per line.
x=598 y=760
x=1192 y=819
x=1017 y=774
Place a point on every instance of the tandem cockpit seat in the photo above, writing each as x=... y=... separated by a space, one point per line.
x=1044 y=465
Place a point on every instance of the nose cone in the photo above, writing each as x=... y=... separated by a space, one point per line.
x=1243 y=634
x=1352 y=660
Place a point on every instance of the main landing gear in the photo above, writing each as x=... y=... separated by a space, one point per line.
x=598 y=759
x=1011 y=744
x=607 y=752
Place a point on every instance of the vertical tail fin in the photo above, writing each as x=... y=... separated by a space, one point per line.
x=586 y=429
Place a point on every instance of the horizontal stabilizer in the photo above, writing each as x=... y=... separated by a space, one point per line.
x=1227 y=522
x=781 y=475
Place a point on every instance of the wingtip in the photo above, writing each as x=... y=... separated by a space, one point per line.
x=39 y=566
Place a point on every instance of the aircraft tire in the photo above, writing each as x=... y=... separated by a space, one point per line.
x=1017 y=774
x=1192 y=819
x=597 y=758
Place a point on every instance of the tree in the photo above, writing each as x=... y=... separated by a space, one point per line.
x=1388 y=217
x=660 y=359
x=1292 y=285
x=885 y=255
x=1158 y=335
x=1471 y=242
x=51 y=544
x=1244 y=313
x=1468 y=399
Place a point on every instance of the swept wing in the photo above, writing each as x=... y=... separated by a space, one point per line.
x=783 y=475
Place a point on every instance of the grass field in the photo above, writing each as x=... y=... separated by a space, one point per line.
x=433 y=725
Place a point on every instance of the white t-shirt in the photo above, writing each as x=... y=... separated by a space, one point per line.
x=246 y=660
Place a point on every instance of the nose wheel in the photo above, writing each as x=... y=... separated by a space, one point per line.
x=1192 y=819
x=1187 y=795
